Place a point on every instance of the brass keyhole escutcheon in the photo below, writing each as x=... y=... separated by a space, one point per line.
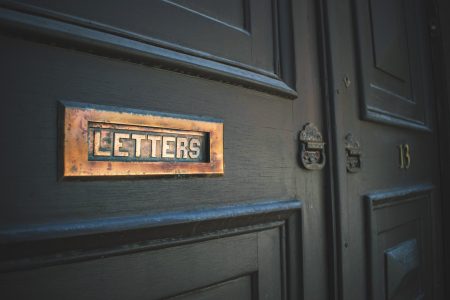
x=405 y=156
x=312 y=148
x=353 y=154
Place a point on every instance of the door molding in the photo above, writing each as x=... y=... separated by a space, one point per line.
x=87 y=35
x=58 y=243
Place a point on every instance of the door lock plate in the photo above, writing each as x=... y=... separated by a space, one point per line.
x=353 y=154
x=312 y=149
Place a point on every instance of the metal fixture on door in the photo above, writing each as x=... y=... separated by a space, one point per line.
x=353 y=154
x=312 y=148
x=405 y=156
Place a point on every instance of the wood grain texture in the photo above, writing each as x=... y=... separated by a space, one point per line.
x=258 y=139
x=311 y=186
x=150 y=275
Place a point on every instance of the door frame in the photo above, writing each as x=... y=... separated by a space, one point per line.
x=331 y=183
x=438 y=11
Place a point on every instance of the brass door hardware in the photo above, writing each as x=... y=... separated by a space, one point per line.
x=405 y=156
x=312 y=149
x=353 y=154
x=102 y=140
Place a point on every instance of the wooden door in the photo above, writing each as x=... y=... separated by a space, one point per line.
x=245 y=235
x=387 y=161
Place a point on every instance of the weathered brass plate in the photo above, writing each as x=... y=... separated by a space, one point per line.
x=112 y=141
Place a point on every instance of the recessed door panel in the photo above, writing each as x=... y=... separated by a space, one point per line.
x=209 y=269
x=391 y=43
x=240 y=32
x=243 y=42
x=400 y=247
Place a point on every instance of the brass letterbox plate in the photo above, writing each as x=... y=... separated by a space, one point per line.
x=111 y=141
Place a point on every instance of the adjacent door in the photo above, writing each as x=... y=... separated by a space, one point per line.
x=388 y=206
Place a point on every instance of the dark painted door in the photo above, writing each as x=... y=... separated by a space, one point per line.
x=365 y=226
x=253 y=64
x=388 y=206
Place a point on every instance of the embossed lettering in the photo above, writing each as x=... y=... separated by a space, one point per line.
x=155 y=145
x=138 y=138
x=138 y=145
x=118 y=144
x=182 y=147
x=98 y=145
x=102 y=141
x=194 y=145
x=168 y=147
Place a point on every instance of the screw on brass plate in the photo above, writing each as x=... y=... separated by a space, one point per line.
x=433 y=25
x=434 y=28
x=347 y=81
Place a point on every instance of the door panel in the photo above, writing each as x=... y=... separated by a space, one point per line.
x=43 y=198
x=203 y=270
x=173 y=35
x=391 y=47
x=201 y=26
x=399 y=240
